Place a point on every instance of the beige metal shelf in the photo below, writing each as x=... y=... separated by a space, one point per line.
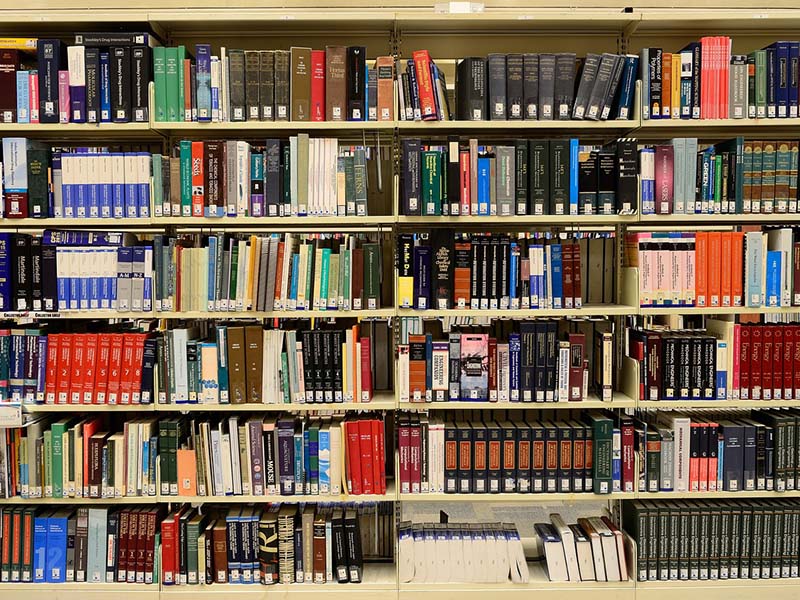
x=620 y=401
x=80 y=591
x=586 y=311
x=517 y=220
x=380 y=313
x=517 y=126
x=192 y=128
x=567 y=498
x=727 y=219
x=381 y=401
x=274 y=222
x=91 y=408
x=719 y=310
x=390 y=495
x=82 y=501
x=716 y=404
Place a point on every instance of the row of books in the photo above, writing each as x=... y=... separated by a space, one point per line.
x=461 y=553
x=274 y=544
x=483 y=456
x=530 y=177
x=79 y=458
x=748 y=361
x=704 y=80
x=731 y=177
x=716 y=269
x=203 y=363
x=101 y=78
x=714 y=539
x=91 y=545
x=593 y=549
x=443 y=270
x=546 y=87
x=299 y=84
x=271 y=456
x=540 y=361
x=76 y=271
x=290 y=272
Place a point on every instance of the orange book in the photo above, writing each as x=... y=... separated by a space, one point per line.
x=198 y=192
x=714 y=268
x=76 y=364
x=701 y=268
x=675 y=106
x=725 y=268
x=187 y=473
x=385 y=68
x=462 y=277
x=666 y=83
x=737 y=268
x=416 y=368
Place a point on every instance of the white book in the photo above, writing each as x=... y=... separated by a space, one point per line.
x=583 y=552
x=405 y=557
x=609 y=544
x=293 y=175
x=597 y=550
x=303 y=179
x=244 y=459
x=518 y=567
x=403 y=372
x=226 y=458
x=242 y=178
x=223 y=84
x=336 y=460
x=235 y=463
x=301 y=387
x=117 y=179
x=144 y=170
x=216 y=82
x=553 y=550
x=681 y=426
x=568 y=542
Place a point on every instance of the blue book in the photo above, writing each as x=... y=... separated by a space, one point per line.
x=295 y=274
x=783 y=78
x=16 y=374
x=306 y=460
x=203 y=70
x=627 y=88
x=512 y=279
x=556 y=276
x=616 y=459
x=299 y=463
x=85 y=256
x=41 y=376
x=147 y=283
x=215 y=103
x=56 y=561
x=232 y=521
x=773 y=277
x=544 y=283
x=722 y=375
x=324 y=459
x=772 y=81
x=412 y=84
x=212 y=271
x=5 y=271
x=484 y=183
x=40 y=526
x=92 y=163
x=222 y=363
x=51 y=56
x=794 y=90
x=23 y=97
x=514 y=348
x=81 y=183
x=105 y=88
x=573 y=176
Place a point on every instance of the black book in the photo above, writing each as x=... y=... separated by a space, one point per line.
x=268 y=548
x=612 y=97
x=588 y=74
x=270 y=465
x=471 y=89
x=749 y=455
x=453 y=182
x=92 y=58
x=121 y=80
x=252 y=84
x=340 y=551
x=709 y=363
x=600 y=87
x=514 y=86
x=49 y=279
x=521 y=176
x=493 y=272
x=411 y=177
x=524 y=447
x=564 y=87
x=587 y=183
x=626 y=191
x=266 y=85
x=547 y=83
x=550 y=456
x=480 y=457
x=450 y=468
x=530 y=86
x=21 y=273
x=52 y=58
x=140 y=75
x=559 y=178
x=236 y=84
x=551 y=331
x=540 y=373
x=606 y=183
x=509 y=457
x=538 y=176
x=442 y=275
x=299 y=566
x=282 y=67
x=494 y=435
x=117 y=38
x=578 y=455
x=527 y=371
x=564 y=471
x=496 y=67
x=37 y=292
x=537 y=457
x=356 y=68
x=272 y=177
x=464 y=459
x=352 y=534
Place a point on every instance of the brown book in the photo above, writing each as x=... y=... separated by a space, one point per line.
x=220 y=551
x=237 y=365
x=266 y=90
x=236 y=84
x=319 y=548
x=307 y=521
x=254 y=350
x=282 y=85
x=300 y=88
x=175 y=186
x=357 y=271
x=252 y=84
x=141 y=546
x=122 y=545
x=150 y=546
x=9 y=65
x=96 y=443
x=335 y=83
x=385 y=67
x=130 y=544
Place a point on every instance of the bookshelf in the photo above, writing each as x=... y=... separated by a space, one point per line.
x=505 y=26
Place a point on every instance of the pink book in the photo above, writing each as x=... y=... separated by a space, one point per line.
x=690 y=274
x=677 y=268
x=475 y=366
x=63 y=96
x=34 y=96
x=735 y=383
x=664 y=168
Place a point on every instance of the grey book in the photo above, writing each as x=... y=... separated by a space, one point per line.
x=266 y=84
x=252 y=78
x=505 y=188
x=514 y=86
x=496 y=68
x=738 y=87
x=282 y=63
x=585 y=85
x=644 y=76
x=263 y=271
x=272 y=268
x=600 y=87
x=564 y=87
x=613 y=88
x=547 y=82
x=530 y=85
x=236 y=84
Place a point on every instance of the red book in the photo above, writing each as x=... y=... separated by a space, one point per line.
x=5 y=552
x=404 y=448
x=577 y=300
x=318 y=85
x=464 y=180
x=366 y=370
x=16 y=550
x=76 y=364
x=767 y=343
x=744 y=361
x=89 y=429
x=378 y=457
x=51 y=371
x=141 y=548
x=777 y=367
x=366 y=456
x=353 y=463
x=416 y=453
x=694 y=458
x=126 y=373
x=122 y=546
x=34 y=96
x=138 y=359
x=198 y=192
x=422 y=69
x=131 y=546
x=103 y=363
x=492 y=369
x=628 y=456
x=89 y=367
x=187 y=90
x=115 y=368
x=756 y=353
x=787 y=331
x=705 y=76
x=796 y=361
x=64 y=369
x=150 y=547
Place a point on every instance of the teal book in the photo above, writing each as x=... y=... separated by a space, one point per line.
x=160 y=82
x=186 y=177
x=171 y=105
x=222 y=363
x=324 y=459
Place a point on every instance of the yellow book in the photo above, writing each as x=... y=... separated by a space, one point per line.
x=22 y=44
x=675 y=101
x=255 y=251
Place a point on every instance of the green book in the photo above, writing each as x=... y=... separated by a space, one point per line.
x=324 y=278
x=768 y=157
x=38 y=186
x=160 y=82
x=761 y=84
x=174 y=113
x=349 y=185
x=751 y=85
x=185 y=149
x=346 y=287
x=360 y=182
x=234 y=276
x=333 y=281
x=57 y=443
x=431 y=183
x=783 y=167
x=193 y=528
x=48 y=464
x=163 y=434
x=313 y=459
x=717 y=183
x=602 y=434
x=736 y=147
x=285 y=377
x=372 y=275
x=181 y=56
